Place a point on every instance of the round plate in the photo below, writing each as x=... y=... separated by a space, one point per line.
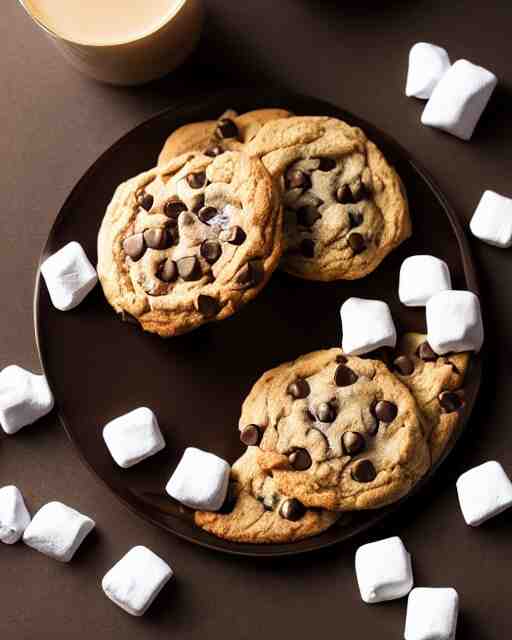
x=100 y=367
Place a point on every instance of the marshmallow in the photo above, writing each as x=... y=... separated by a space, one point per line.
x=383 y=570
x=421 y=277
x=427 y=65
x=492 y=220
x=200 y=480
x=57 y=531
x=459 y=99
x=24 y=398
x=366 y=325
x=136 y=580
x=431 y=614
x=133 y=437
x=484 y=491
x=454 y=322
x=14 y=516
x=69 y=276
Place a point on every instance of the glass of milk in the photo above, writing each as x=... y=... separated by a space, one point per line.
x=122 y=42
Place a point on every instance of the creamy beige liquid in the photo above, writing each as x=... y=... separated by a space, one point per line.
x=102 y=21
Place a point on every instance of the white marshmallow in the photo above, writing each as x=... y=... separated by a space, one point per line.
x=14 y=516
x=431 y=614
x=459 y=99
x=133 y=437
x=24 y=398
x=136 y=580
x=454 y=322
x=421 y=277
x=427 y=65
x=383 y=570
x=366 y=325
x=57 y=531
x=69 y=276
x=200 y=480
x=492 y=220
x=484 y=491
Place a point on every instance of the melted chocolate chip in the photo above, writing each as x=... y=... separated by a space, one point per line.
x=353 y=443
x=307 y=248
x=307 y=216
x=167 y=270
x=230 y=501
x=173 y=208
x=211 y=251
x=356 y=242
x=450 y=401
x=299 y=389
x=300 y=459
x=292 y=509
x=326 y=164
x=234 y=235
x=189 y=268
x=426 y=353
x=134 y=246
x=213 y=151
x=344 y=195
x=326 y=412
x=251 y=274
x=157 y=238
x=207 y=213
x=355 y=219
x=385 y=411
x=226 y=128
x=363 y=471
x=344 y=376
x=207 y=306
x=360 y=192
x=196 y=180
x=296 y=179
x=404 y=365
x=251 y=435
x=145 y=200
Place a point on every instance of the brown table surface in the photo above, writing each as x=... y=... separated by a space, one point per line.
x=55 y=123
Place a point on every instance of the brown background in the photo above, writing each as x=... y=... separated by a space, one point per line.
x=55 y=123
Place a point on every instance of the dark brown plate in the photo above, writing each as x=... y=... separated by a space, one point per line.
x=99 y=367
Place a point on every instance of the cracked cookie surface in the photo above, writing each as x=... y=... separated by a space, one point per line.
x=336 y=432
x=190 y=242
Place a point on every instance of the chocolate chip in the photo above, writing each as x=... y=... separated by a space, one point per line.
x=196 y=180
x=344 y=376
x=355 y=219
x=309 y=416
x=356 y=242
x=341 y=359
x=385 y=411
x=307 y=248
x=134 y=246
x=404 y=365
x=211 y=251
x=157 y=238
x=167 y=270
x=213 y=150
x=298 y=389
x=450 y=401
x=325 y=412
x=199 y=204
x=226 y=128
x=296 y=179
x=353 y=443
x=326 y=164
x=234 y=235
x=173 y=208
x=145 y=200
x=250 y=274
x=292 y=509
x=363 y=471
x=426 y=353
x=251 y=435
x=344 y=195
x=307 y=216
x=189 y=268
x=373 y=426
x=207 y=213
x=207 y=306
x=360 y=192
x=300 y=459
x=230 y=500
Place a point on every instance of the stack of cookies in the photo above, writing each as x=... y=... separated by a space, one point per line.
x=199 y=235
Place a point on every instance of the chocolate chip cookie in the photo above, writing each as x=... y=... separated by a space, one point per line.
x=190 y=242
x=345 y=207
x=229 y=132
x=436 y=382
x=256 y=511
x=338 y=433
